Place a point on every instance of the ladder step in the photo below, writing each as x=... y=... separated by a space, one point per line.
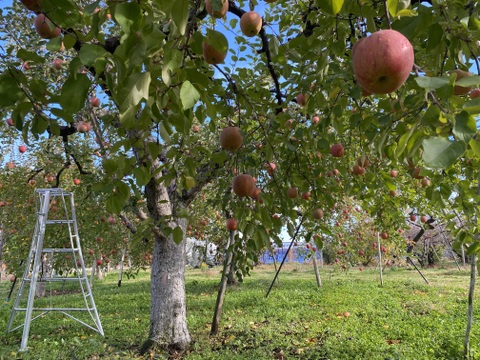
x=59 y=221
x=58 y=279
x=60 y=250
x=54 y=309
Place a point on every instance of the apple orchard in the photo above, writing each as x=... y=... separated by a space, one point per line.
x=174 y=119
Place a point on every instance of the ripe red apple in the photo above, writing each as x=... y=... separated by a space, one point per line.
x=10 y=122
x=231 y=139
x=214 y=47
x=315 y=120
x=307 y=246
x=289 y=123
x=337 y=150
x=306 y=195
x=361 y=252
x=45 y=28
x=83 y=127
x=216 y=12
x=10 y=165
x=250 y=23
x=425 y=182
x=33 y=5
x=317 y=214
x=365 y=162
x=393 y=173
x=26 y=65
x=243 y=185
x=231 y=224
x=270 y=168
x=91 y=252
x=358 y=170
x=475 y=93
x=256 y=193
x=292 y=193
x=99 y=262
x=393 y=192
x=111 y=220
x=195 y=128
x=384 y=235
x=95 y=102
x=461 y=90
x=57 y=63
x=382 y=61
x=416 y=173
x=301 y=99
x=22 y=149
x=423 y=219
x=413 y=217
x=76 y=181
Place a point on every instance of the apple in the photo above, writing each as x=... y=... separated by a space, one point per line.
x=382 y=61
x=317 y=214
x=337 y=150
x=243 y=185
x=11 y=277
x=33 y=5
x=203 y=222
x=57 y=63
x=289 y=123
x=95 y=102
x=231 y=139
x=475 y=93
x=99 y=262
x=361 y=252
x=275 y=217
x=393 y=192
x=360 y=268
x=10 y=122
x=358 y=170
x=425 y=182
x=306 y=195
x=50 y=178
x=250 y=23
x=216 y=11
x=336 y=172
x=363 y=162
x=91 y=252
x=111 y=220
x=270 y=168
x=214 y=47
x=231 y=224
x=45 y=28
x=76 y=181
x=83 y=127
x=307 y=246
x=416 y=173
x=346 y=314
x=413 y=217
x=195 y=128
x=384 y=235
x=315 y=120
x=256 y=193
x=26 y=65
x=22 y=149
x=393 y=173
x=301 y=99
x=10 y=165
x=345 y=244
x=423 y=219
x=292 y=193
x=461 y=90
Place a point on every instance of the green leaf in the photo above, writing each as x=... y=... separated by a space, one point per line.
x=465 y=126
x=217 y=40
x=472 y=106
x=90 y=53
x=177 y=235
x=441 y=153
x=114 y=204
x=142 y=175
x=332 y=7
x=30 y=56
x=189 y=182
x=189 y=95
x=435 y=34
x=180 y=15
x=10 y=91
x=432 y=83
x=475 y=146
x=128 y=15
x=74 y=93
x=392 y=7
x=133 y=90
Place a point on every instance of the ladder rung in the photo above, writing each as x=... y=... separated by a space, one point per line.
x=60 y=250
x=54 y=279
x=54 y=309
x=59 y=222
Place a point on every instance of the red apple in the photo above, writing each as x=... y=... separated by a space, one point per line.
x=425 y=182
x=217 y=12
x=393 y=173
x=45 y=28
x=423 y=219
x=337 y=150
x=475 y=93
x=231 y=224
x=214 y=47
x=317 y=214
x=384 y=235
x=306 y=195
x=292 y=193
x=76 y=181
x=358 y=170
x=10 y=165
x=413 y=217
x=10 y=122
x=315 y=120
x=270 y=168
x=301 y=99
x=99 y=262
x=231 y=139
x=111 y=220
x=382 y=61
x=243 y=185
x=95 y=102
x=22 y=149
x=250 y=23
x=461 y=90
x=57 y=63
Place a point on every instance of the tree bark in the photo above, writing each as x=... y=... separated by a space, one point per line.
x=3 y=266
x=471 y=294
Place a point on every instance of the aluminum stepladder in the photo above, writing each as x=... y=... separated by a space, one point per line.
x=44 y=198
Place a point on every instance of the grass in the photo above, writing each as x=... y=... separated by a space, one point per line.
x=404 y=319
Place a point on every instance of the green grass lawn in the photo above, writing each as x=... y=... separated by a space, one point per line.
x=404 y=319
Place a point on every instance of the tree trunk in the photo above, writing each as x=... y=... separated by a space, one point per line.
x=3 y=266
x=168 y=320
x=471 y=294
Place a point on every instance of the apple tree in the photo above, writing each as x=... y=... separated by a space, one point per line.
x=315 y=88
